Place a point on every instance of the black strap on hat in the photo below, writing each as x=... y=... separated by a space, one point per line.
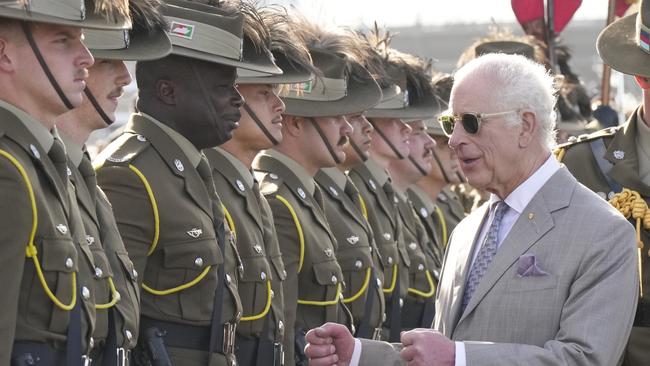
x=325 y=141
x=383 y=136
x=210 y=105
x=358 y=150
x=97 y=107
x=418 y=166
x=46 y=69
x=259 y=123
x=442 y=170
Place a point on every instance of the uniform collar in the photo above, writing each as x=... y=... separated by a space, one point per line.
x=192 y=153
x=72 y=149
x=241 y=169
x=305 y=179
x=429 y=205
x=380 y=174
x=337 y=176
x=42 y=135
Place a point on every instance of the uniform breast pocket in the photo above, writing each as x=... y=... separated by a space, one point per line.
x=186 y=284
x=328 y=275
x=255 y=292
x=59 y=261
x=102 y=272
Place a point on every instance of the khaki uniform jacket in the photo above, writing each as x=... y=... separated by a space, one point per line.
x=387 y=228
x=112 y=262
x=314 y=280
x=170 y=225
x=622 y=153
x=250 y=219
x=28 y=313
x=452 y=212
x=428 y=214
x=356 y=250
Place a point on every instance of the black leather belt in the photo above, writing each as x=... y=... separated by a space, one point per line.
x=191 y=336
x=642 y=318
x=36 y=354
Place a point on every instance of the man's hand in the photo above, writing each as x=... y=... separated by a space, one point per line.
x=427 y=347
x=329 y=344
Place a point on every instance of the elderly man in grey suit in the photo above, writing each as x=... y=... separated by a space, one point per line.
x=543 y=273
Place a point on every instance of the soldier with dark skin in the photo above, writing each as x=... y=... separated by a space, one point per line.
x=116 y=291
x=260 y=334
x=163 y=195
x=615 y=163
x=314 y=117
x=48 y=299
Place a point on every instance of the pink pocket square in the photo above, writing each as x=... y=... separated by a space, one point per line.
x=527 y=267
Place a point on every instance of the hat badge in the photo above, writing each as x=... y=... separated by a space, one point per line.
x=619 y=154
x=179 y=165
x=240 y=185
x=195 y=232
x=353 y=239
x=62 y=228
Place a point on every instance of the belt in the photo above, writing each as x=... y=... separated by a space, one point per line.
x=191 y=336
x=36 y=353
x=642 y=318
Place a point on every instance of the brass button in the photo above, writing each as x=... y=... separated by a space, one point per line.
x=85 y=292
x=358 y=264
x=420 y=267
x=118 y=297
x=69 y=263
x=390 y=260
x=198 y=262
x=272 y=294
x=135 y=274
x=228 y=279
x=280 y=325
x=263 y=276
x=413 y=246
x=334 y=279
x=128 y=334
x=91 y=342
x=401 y=302
x=98 y=272
x=378 y=283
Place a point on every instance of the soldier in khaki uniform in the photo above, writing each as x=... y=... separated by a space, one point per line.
x=314 y=132
x=48 y=301
x=419 y=307
x=615 y=162
x=116 y=291
x=356 y=249
x=260 y=334
x=163 y=195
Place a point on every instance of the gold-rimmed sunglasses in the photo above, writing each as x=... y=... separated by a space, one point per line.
x=471 y=121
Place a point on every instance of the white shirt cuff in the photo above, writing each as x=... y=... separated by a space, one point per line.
x=461 y=360
x=356 y=354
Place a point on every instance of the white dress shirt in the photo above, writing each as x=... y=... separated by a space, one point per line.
x=517 y=201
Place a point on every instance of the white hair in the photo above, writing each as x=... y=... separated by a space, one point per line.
x=516 y=82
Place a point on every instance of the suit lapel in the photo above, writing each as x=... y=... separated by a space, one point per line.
x=177 y=161
x=554 y=195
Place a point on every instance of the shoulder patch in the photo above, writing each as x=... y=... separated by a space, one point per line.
x=122 y=151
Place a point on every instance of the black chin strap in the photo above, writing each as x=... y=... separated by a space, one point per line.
x=444 y=174
x=259 y=123
x=46 y=69
x=390 y=144
x=327 y=143
x=210 y=106
x=98 y=107
x=358 y=150
x=418 y=166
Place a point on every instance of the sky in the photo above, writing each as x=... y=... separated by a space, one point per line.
x=426 y=12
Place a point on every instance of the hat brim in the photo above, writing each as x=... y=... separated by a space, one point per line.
x=618 y=48
x=92 y=21
x=186 y=52
x=291 y=74
x=428 y=108
x=361 y=95
x=143 y=46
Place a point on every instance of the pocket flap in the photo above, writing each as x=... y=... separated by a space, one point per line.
x=59 y=254
x=127 y=266
x=278 y=265
x=102 y=266
x=327 y=273
x=356 y=260
x=194 y=255
x=256 y=269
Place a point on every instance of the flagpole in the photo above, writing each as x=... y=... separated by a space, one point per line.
x=550 y=34
x=607 y=71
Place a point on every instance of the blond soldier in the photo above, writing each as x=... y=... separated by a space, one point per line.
x=390 y=142
x=116 y=291
x=48 y=300
x=163 y=194
x=615 y=162
x=356 y=249
x=260 y=334
x=314 y=133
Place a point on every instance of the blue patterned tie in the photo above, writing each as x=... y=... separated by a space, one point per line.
x=485 y=255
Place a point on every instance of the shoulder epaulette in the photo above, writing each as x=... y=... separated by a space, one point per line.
x=123 y=150
x=589 y=137
x=269 y=182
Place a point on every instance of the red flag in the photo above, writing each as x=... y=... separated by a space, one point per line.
x=622 y=5
x=530 y=10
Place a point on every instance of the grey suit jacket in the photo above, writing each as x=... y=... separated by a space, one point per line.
x=578 y=310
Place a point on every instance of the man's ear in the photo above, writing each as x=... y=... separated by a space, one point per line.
x=529 y=127
x=7 y=55
x=166 y=91
x=292 y=125
x=643 y=82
